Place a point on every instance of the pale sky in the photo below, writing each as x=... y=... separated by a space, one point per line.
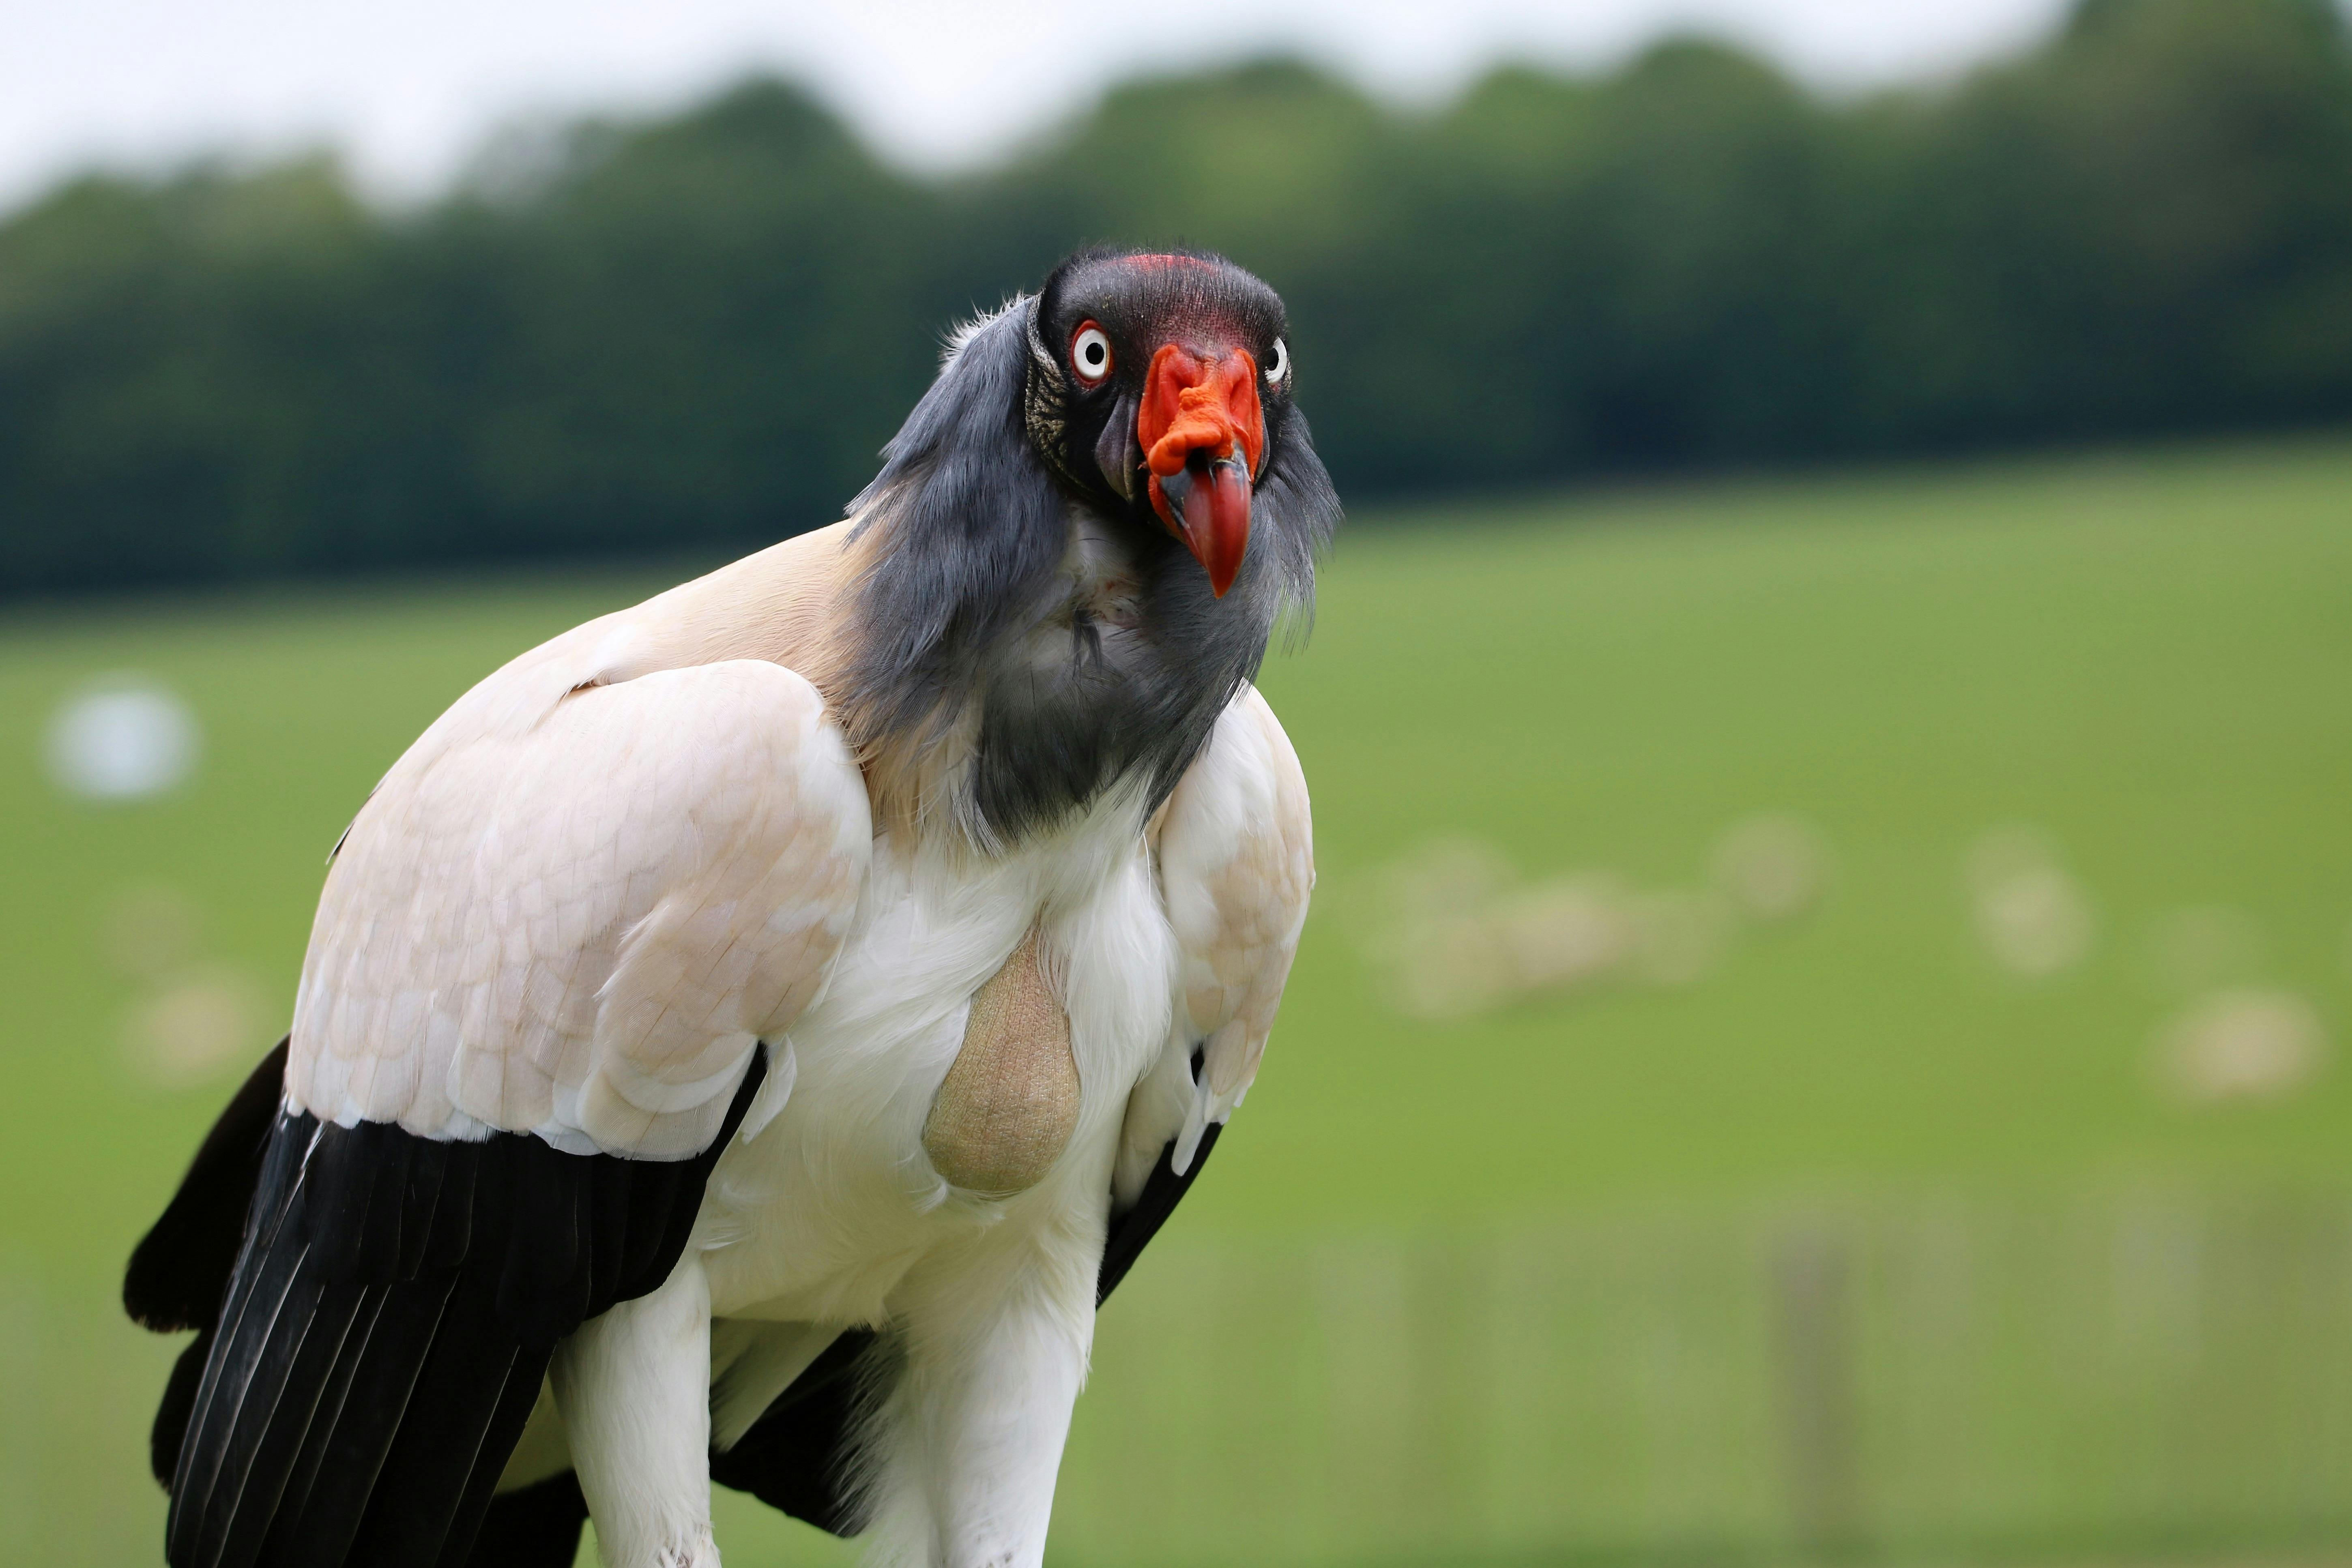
x=408 y=89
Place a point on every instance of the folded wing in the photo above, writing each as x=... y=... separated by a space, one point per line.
x=577 y=922
x=550 y=952
x=1236 y=855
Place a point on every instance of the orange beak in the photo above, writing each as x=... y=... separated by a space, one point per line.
x=1203 y=433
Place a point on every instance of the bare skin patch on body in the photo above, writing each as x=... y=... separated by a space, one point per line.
x=1010 y=1101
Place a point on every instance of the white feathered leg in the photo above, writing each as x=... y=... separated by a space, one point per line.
x=634 y=1389
x=961 y=1459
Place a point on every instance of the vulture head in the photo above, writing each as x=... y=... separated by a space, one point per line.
x=1082 y=538
x=1159 y=387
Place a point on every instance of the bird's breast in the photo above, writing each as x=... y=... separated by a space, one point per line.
x=966 y=1072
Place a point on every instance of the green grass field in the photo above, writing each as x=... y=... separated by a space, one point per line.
x=2146 y=657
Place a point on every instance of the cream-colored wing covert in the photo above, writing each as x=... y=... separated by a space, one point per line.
x=1236 y=857
x=574 y=912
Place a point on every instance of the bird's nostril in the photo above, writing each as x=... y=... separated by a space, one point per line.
x=1178 y=488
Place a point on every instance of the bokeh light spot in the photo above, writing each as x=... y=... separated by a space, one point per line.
x=122 y=738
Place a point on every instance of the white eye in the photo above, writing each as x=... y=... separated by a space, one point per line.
x=1090 y=353
x=1277 y=365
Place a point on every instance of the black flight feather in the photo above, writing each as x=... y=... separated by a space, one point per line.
x=1163 y=1190
x=373 y=1343
x=180 y=1269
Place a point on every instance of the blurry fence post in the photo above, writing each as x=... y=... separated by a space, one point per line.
x=1813 y=1339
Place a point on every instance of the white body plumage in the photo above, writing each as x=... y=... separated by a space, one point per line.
x=744 y=1037
x=684 y=862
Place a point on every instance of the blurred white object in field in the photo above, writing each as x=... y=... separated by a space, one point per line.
x=2243 y=1044
x=1429 y=933
x=1773 y=865
x=1683 y=935
x=121 y=737
x=1454 y=933
x=2033 y=917
x=1567 y=931
x=206 y=1020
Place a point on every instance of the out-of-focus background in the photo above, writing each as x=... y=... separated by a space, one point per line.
x=1822 y=1036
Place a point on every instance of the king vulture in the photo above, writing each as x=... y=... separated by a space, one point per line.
x=745 y=1038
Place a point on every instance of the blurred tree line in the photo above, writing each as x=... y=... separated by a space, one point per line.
x=623 y=336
